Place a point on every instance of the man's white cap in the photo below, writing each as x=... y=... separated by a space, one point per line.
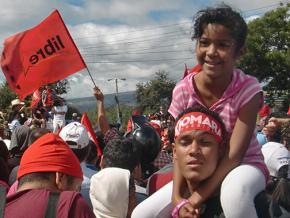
x=75 y=132
x=276 y=155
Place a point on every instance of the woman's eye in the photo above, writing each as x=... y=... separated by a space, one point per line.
x=203 y=43
x=224 y=44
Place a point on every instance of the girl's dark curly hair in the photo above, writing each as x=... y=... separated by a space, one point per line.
x=225 y=16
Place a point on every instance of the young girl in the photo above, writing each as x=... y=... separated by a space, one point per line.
x=220 y=35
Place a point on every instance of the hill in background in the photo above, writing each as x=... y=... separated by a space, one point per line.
x=89 y=103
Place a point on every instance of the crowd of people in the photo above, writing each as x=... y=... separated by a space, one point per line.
x=208 y=155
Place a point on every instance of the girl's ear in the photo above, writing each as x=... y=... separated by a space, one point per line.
x=241 y=52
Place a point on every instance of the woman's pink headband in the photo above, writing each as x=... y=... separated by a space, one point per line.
x=199 y=121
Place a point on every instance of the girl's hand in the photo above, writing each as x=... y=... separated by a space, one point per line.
x=188 y=211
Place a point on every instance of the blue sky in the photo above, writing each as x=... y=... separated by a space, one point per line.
x=122 y=38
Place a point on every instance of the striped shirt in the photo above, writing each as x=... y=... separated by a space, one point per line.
x=239 y=92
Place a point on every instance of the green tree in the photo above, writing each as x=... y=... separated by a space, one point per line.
x=126 y=110
x=268 y=54
x=60 y=87
x=6 y=96
x=111 y=114
x=155 y=92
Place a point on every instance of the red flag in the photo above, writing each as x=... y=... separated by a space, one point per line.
x=185 y=71
x=47 y=97
x=36 y=98
x=197 y=68
x=86 y=122
x=264 y=111
x=41 y=55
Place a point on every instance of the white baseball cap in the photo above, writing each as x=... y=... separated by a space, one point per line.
x=77 y=133
x=276 y=155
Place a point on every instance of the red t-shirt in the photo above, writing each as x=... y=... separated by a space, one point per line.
x=33 y=203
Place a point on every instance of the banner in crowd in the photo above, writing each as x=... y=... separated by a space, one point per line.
x=36 y=98
x=41 y=55
x=195 y=69
x=86 y=122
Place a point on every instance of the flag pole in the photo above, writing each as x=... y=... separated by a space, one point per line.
x=91 y=77
x=76 y=48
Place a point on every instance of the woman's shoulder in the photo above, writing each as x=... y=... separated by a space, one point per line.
x=240 y=76
x=185 y=83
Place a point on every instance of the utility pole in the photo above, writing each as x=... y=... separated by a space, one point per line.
x=119 y=113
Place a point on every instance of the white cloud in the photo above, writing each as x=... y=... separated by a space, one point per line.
x=121 y=36
x=251 y=18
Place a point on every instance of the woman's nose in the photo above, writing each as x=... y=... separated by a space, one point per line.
x=212 y=49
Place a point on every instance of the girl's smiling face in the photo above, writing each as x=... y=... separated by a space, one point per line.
x=216 y=51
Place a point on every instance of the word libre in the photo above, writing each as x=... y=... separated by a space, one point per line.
x=53 y=45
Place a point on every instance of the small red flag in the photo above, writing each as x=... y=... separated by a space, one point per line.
x=36 y=98
x=185 y=71
x=196 y=69
x=86 y=122
x=41 y=55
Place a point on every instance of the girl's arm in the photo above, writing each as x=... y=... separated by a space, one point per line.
x=238 y=144
x=178 y=185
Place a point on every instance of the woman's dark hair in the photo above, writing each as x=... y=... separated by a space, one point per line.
x=285 y=135
x=4 y=169
x=277 y=135
x=281 y=193
x=39 y=113
x=93 y=154
x=121 y=153
x=225 y=16
x=12 y=116
x=36 y=134
x=171 y=133
x=101 y=140
x=58 y=101
x=198 y=108
x=81 y=153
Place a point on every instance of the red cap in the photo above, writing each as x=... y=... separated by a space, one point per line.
x=49 y=153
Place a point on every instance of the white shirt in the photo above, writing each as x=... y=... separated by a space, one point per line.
x=59 y=109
